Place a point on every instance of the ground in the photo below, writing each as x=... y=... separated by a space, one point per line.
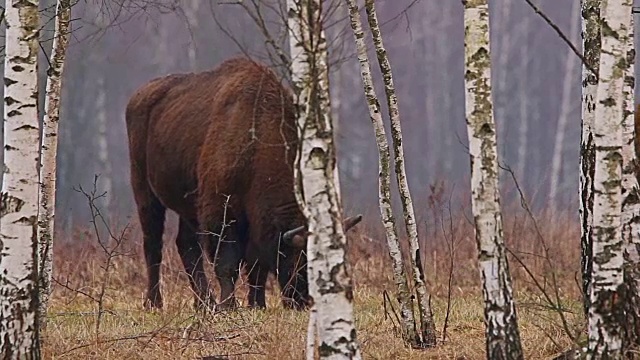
x=124 y=330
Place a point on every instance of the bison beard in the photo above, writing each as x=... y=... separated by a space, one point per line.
x=218 y=148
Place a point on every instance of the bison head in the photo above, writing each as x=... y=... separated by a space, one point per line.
x=293 y=271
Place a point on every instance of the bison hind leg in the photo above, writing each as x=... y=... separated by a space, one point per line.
x=151 y=214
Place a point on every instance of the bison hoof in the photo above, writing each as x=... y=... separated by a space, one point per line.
x=151 y=303
x=295 y=305
x=228 y=305
x=204 y=304
x=257 y=306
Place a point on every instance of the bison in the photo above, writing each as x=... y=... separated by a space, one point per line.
x=218 y=148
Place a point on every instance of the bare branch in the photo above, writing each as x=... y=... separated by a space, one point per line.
x=564 y=38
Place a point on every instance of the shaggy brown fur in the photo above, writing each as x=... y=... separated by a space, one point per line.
x=218 y=148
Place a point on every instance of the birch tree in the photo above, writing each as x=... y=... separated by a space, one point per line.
x=191 y=11
x=102 y=133
x=427 y=325
x=523 y=111
x=631 y=200
x=605 y=311
x=591 y=45
x=19 y=210
x=502 y=61
x=103 y=142
x=565 y=111
x=502 y=333
x=409 y=331
x=49 y=151
x=330 y=284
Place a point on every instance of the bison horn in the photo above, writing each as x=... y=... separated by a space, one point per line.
x=287 y=237
x=351 y=222
x=292 y=237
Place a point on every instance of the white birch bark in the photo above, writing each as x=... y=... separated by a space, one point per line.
x=19 y=207
x=330 y=284
x=299 y=69
x=310 y=351
x=49 y=150
x=502 y=334
x=427 y=325
x=571 y=61
x=631 y=201
x=404 y=297
x=591 y=45
x=605 y=312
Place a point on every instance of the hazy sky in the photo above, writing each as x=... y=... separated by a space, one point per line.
x=536 y=84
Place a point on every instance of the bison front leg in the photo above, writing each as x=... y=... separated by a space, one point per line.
x=226 y=256
x=192 y=259
x=257 y=281
x=151 y=214
x=292 y=277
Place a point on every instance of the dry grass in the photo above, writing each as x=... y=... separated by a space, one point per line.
x=128 y=332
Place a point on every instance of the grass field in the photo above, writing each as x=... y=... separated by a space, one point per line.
x=78 y=329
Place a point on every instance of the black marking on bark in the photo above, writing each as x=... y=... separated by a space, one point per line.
x=587 y=153
x=27 y=127
x=8 y=82
x=9 y=101
x=485 y=130
x=609 y=102
x=10 y=204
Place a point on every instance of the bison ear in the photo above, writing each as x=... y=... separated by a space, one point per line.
x=351 y=222
x=299 y=242
x=296 y=241
x=289 y=236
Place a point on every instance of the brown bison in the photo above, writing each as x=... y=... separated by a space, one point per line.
x=218 y=148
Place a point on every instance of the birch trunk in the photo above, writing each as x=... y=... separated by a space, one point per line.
x=565 y=110
x=427 y=325
x=105 y=185
x=500 y=108
x=523 y=129
x=630 y=202
x=163 y=54
x=46 y=212
x=19 y=209
x=404 y=296
x=591 y=45
x=191 y=13
x=444 y=49
x=330 y=284
x=299 y=70
x=605 y=310
x=502 y=334
x=103 y=144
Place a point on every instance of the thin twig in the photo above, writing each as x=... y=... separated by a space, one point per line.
x=563 y=37
x=451 y=245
